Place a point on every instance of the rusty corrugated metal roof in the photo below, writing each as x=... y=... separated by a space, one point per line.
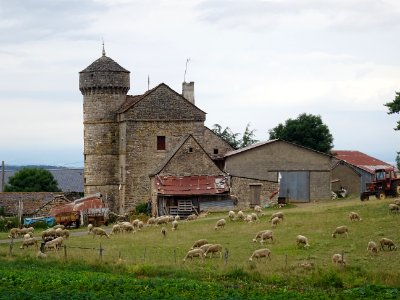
x=360 y=160
x=78 y=205
x=191 y=185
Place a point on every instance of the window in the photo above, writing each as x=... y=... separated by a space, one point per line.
x=215 y=151
x=190 y=149
x=161 y=142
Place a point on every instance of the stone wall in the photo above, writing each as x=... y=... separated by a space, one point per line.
x=240 y=187
x=320 y=186
x=348 y=178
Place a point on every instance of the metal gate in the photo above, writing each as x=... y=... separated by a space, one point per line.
x=295 y=186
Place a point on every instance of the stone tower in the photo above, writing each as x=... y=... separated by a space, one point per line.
x=104 y=85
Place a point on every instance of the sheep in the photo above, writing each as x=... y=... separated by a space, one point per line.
x=214 y=248
x=48 y=234
x=55 y=244
x=164 y=231
x=275 y=221
x=338 y=259
x=267 y=235
x=194 y=253
x=174 y=225
x=240 y=215
x=354 y=216
x=116 y=229
x=302 y=240
x=62 y=232
x=397 y=202
x=199 y=243
x=387 y=242
x=24 y=231
x=264 y=252
x=258 y=235
x=90 y=227
x=41 y=255
x=14 y=232
x=29 y=242
x=28 y=236
x=248 y=218
x=254 y=217
x=135 y=223
x=99 y=231
x=58 y=226
x=220 y=224
x=177 y=218
x=205 y=247
x=340 y=230
x=372 y=247
x=257 y=209
x=278 y=214
x=140 y=225
x=162 y=220
x=127 y=227
x=191 y=217
x=231 y=215
x=151 y=221
x=394 y=208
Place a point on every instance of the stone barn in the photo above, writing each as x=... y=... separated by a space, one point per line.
x=296 y=173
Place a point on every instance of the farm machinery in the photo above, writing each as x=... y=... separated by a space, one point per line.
x=385 y=183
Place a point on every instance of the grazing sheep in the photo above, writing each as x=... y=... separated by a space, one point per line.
x=205 y=247
x=164 y=231
x=267 y=235
x=100 y=232
x=231 y=215
x=397 y=202
x=55 y=244
x=62 y=232
x=177 y=218
x=372 y=247
x=340 y=230
x=162 y=220
x=302 y=240
x=264 y=252
x=151 y=221
x=174 y=225
x=41 y=255
x=199 y=243
x=90 y=227
x=135 y=223
x=116 y=229
x=48 y=234
x=58 y=226
x=240 y=215
x=28 y=236
x=220 y=224
x=258 y=235
x=191 y=217
x=194 y=253
x=24 y=231
x=258 y=209
x=29 y=242
x=387 y=242
x=140 y=225
x=214 y=248
x=338 y=259
x=14 y=232
x=127 y=227
x=248 y=218
x=275 y=221
x=254 y=217
x=394 y=208
x=278 y=214
x=354 y=216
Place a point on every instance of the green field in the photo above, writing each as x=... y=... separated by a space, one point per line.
x=147 y=265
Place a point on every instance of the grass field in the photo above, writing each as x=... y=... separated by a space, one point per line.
x=149 y=256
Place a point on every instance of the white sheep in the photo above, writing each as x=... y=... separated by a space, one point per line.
x=220 y=224
x=387 y=242
x=89 y=227
x=394 y=208
x=248 y=218
x=302 y=240
x=29 y=242
x=41 y=255
x=199 y=243
x=127 y=227
x=194 y=253
x=397 y=202
x=258 y=209
x=231 y=215
x=205 y=247
x=267 y=235
x=260 y=253
x=214 y=248
x=340 y=230
x=116 y=229
x=191 y=217
x=254 y=217
x=48 y=234
x=58 y=226
x=55 y=244
x=338 y=259
x=354 y=216
x=258 y=235
x=140 y=225
x=278 y=214
x=24 y=230
x=164 y=231
x=177 y=218
x=100 y=232
x=174 y=225
x=28 y=236
x=135 y=223
x=372 y=247
x=240 y=215
x=275 y=221
x=151 y=221
x=62 y=232
x=14 y=232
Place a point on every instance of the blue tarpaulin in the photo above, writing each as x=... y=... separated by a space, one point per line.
x=50 y=221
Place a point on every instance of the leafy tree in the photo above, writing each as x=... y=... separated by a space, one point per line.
x=394 y=108
x=307 y=130
x=233 y=138
x=32 y=180
x=398 y=160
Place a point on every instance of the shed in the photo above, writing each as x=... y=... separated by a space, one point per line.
x=301 y=174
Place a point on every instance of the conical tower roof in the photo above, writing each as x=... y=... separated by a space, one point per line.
x=104 y=64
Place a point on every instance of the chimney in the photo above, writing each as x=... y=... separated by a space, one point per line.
x=188 y=91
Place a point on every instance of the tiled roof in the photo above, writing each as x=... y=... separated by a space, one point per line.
x=360 y=160
x=69 y=180
x=104 y=64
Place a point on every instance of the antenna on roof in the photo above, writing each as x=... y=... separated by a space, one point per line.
x=184 y=76
x=148 y=82
x=104 y=51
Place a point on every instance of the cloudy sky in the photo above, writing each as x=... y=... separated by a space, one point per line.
x=252 y=61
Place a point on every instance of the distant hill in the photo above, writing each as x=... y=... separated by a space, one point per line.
x=16 y=168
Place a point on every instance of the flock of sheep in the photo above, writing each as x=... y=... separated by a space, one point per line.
x=53 y=238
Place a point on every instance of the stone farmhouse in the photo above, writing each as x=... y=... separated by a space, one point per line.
x=156 y=147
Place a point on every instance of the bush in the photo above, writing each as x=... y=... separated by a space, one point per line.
x=7 y=223
x=141 y=208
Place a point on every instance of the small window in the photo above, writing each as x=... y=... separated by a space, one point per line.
x=190 y=149
x=84 y=179
x=161 y=143
x=215 y=151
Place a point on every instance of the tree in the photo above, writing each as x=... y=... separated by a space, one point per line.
x=307 y=130
x=398 y=160
x=233 y=138
x=32 y=180
x=394 y=108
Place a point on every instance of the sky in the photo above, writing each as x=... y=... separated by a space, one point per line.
x=257 y=62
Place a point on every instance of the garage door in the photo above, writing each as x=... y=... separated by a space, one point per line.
x=295 y=186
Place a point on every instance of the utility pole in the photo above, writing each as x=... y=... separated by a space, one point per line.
x=2 y=175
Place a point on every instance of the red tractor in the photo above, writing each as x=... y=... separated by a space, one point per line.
x=386 y=183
